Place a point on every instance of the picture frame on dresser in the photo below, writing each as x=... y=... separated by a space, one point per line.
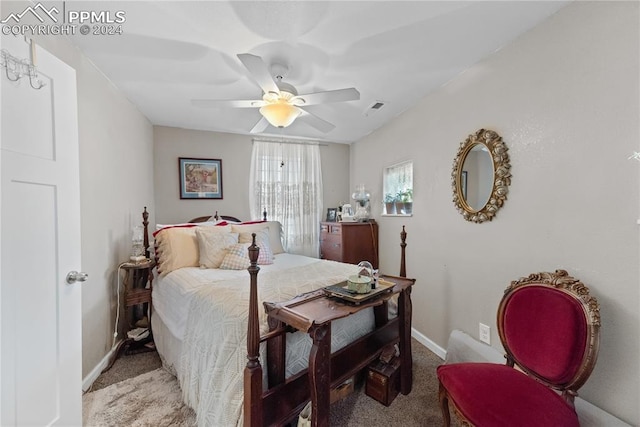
x=200 y=178
x=332 y=214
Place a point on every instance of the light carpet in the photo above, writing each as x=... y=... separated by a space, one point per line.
x=155 y=399
x=150 y=399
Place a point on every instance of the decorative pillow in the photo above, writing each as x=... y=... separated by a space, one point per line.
x=265 y=255
x=237 y=257
x=213 y=243
x=177 y=247
x=275 y=232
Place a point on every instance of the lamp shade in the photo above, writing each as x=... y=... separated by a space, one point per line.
x=280 y=113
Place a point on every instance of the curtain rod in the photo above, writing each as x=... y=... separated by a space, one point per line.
x=289 y=141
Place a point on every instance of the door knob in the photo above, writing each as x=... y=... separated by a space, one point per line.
x=75 y=276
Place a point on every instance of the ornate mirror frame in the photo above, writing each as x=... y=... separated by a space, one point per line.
x=501 y=175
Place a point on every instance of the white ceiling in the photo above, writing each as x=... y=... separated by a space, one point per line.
x=396 y=52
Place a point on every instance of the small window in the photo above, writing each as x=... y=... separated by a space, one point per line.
x=398 y=189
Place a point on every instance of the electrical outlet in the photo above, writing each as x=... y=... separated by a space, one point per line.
x=485 y=333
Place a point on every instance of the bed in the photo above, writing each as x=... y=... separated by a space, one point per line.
x=210 y=333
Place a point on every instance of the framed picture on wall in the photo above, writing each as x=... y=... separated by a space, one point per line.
x=200 y=178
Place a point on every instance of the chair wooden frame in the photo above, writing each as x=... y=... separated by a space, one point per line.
x=561 y=281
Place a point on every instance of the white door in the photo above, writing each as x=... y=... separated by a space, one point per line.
x=41 y=353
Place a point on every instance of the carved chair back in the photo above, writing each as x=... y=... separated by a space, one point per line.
x=549 y=326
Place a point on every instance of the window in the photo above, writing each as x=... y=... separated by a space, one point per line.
x=398 y=189
x=286 y=180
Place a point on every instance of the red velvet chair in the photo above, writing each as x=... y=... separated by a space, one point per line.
x=549 y=326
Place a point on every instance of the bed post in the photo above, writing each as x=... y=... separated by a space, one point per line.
x=145 y=223
x=403 y=245
x=253 y=370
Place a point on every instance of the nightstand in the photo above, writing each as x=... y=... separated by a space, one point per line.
x=137 y=295
x=136 y=304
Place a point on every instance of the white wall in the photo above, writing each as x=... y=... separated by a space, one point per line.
x=235 y=153
x=116 y=182
x=565 y=99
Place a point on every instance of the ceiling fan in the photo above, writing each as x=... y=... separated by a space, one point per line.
x=280 y=104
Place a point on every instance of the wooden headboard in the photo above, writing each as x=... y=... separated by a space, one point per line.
x=217 y=217
x=214 y=217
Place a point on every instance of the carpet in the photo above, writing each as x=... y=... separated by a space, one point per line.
x=150 y=399
x=154 y=399
x=127 y=366
x=418 y=408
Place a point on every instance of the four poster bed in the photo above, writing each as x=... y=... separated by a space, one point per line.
x=210 y=332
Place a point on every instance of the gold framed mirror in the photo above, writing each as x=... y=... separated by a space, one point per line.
x=481 y=176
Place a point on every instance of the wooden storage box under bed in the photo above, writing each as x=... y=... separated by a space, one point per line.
x=382 y=380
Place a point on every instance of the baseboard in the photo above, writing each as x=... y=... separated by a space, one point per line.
x=435 y=348
x=87 y=382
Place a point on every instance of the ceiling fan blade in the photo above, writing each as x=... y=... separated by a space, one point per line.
x=228 y=103
x=315 y=121
x=259 y=71
x=260 y=126
x=339 y=95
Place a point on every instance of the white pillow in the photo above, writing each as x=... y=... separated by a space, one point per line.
x=213 y=244
x=177 y=247
x=275 y=233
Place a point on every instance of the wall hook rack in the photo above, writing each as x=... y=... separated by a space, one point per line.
x=16 y=68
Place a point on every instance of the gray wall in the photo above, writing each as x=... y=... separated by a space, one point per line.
x=116 y=181
x=235 y=153
x=564 y=97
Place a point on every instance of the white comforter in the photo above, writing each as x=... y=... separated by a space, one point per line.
x=214 y=337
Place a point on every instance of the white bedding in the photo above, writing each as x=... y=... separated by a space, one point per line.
x=171 y=292
x=207 y=311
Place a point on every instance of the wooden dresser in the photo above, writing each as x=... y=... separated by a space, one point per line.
x=349 y=242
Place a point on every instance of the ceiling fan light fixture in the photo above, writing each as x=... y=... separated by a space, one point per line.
x=281 y=104
x=280 y=113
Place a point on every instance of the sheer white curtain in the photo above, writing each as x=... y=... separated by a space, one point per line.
x=398 y=178
x=286 y=180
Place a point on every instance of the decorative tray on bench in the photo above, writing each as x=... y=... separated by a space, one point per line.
x=341 y=291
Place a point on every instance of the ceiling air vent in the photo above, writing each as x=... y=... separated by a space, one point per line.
x=376 y=106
